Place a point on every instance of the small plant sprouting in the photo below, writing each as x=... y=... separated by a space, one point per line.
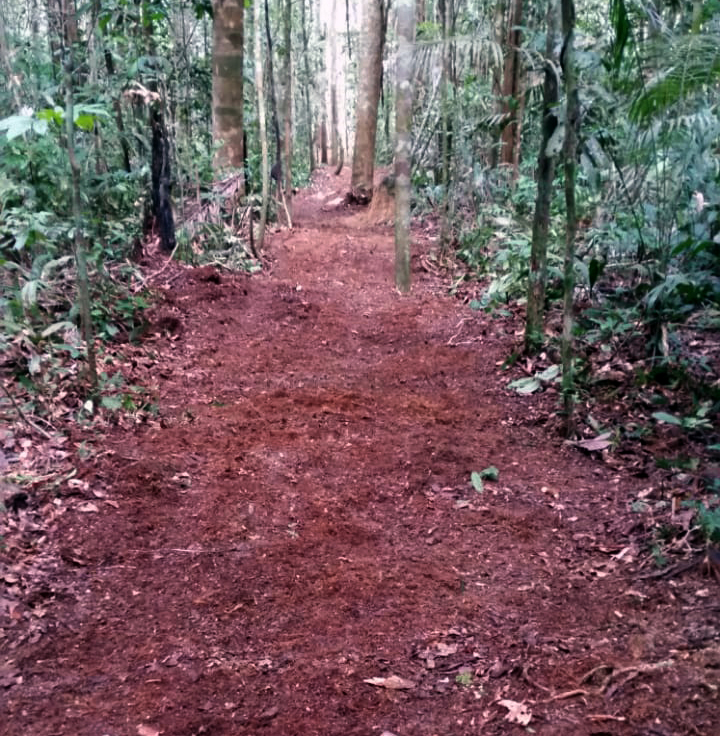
x=477 y=478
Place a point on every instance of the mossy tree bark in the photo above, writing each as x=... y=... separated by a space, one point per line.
x=572 y=124
x=537 y=278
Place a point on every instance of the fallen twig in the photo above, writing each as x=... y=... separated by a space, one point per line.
x=158 y=272
x=25 y=418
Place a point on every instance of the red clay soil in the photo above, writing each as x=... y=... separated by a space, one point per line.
x=295 y=546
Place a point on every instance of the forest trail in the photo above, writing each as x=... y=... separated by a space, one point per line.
x=300 y=519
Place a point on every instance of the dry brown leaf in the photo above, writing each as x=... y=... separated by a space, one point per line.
x=391 y=683
x=517 y=712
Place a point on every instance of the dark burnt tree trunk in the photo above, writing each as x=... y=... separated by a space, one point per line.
x=163 y=220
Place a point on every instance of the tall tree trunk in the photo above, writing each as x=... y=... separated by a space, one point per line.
x=335 y=144
x=262 y=129
x=80 y=250
x=403 y=141
x=227 y=82
x=13 y=80
x=572 y=124
x=323 y=141
x=445 y=8
x=162 y=213
x=499 y=34
x=117 y=107
x=332 y=90
x=287 y=102
x=512 y=90
x=273 y=96
x=368 y=97
x=306 y=86
x=537 y=279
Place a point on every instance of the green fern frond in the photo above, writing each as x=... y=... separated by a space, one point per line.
x=690 y=64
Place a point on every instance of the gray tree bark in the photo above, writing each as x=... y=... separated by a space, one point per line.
x=262 y=127
x=403 y=141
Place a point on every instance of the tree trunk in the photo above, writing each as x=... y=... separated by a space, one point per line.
x=368 y=97
x=162 y=214
x=13 y=80
x=308 y=81
x=323 y=142
x=80 y=250
x=331 y=52
x=445 y=8
x=512 y=90
x=227 y=82
x=335 y=144
x=273 y=96
x=287 y=103
x=537 y=278
x=262 y=129
x=572 y=124
x=403 y=141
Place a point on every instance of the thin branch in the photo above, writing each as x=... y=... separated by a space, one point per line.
x=24 y=417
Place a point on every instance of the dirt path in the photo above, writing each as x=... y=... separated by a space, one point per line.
x=300 y=520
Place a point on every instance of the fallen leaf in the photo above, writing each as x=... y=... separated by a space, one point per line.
x=595 y=444
x=445 y=650
x=525 y=385
x=517 y=712
x=88 y=508
x=391 y=683
x=144 y=730
x=269 y=714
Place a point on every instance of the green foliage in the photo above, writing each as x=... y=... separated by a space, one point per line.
x=708 y=518
x=697 y=421
x=685 y=65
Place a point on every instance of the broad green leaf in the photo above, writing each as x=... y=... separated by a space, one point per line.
x=549 y=374
x=525 y=385
x=662 y=416
x=476 y=480
x=85 y=122
x=17 y=125
x=490 y=473
x=111 y=402
x=621 y=25
x=51 y=114
x=55 y=263
x=56 y=327
x=28 y=293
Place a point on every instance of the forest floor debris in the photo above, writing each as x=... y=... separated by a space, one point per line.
x=295 y=544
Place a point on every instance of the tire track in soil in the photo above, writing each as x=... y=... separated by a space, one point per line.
x=301 y=520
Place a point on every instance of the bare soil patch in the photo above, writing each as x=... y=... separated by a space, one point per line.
x=294 y=546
